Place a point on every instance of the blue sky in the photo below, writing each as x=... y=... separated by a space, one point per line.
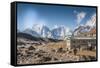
x=29 y=14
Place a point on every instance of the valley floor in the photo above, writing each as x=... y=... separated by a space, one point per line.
x=51 y=52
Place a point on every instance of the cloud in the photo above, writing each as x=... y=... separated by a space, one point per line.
x=68 y=31
x=29 y=18
x=92 y=21
x=80 y=16
x=55 y=26
x=41 y=22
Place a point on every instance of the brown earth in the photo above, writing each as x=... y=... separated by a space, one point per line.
x=50 y=53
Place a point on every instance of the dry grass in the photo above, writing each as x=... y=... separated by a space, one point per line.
x=56 y=45
x=87 y=53
x=53 y=52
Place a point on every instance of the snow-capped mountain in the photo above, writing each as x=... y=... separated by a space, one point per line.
x=42 y=30
x=45 y=32
x=59 y=33
x=91 y=23
x=81 y=29
x=37 y=28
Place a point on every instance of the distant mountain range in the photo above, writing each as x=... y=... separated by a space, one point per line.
x=58 y=32
x=44 y=32
x=38 y=39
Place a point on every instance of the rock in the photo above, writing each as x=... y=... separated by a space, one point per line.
x=31 y=48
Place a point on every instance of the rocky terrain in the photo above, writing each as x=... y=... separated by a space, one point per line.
x=31 y=51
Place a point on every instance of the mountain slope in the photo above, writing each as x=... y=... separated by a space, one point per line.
x=44 y=32
x=58 y=33
x=28 y=36
x=90 y=24
x=31 y=32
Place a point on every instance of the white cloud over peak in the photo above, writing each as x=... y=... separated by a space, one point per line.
x=92 y=21
x=80 y=16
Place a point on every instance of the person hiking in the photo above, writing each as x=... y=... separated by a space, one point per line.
x=75 y=51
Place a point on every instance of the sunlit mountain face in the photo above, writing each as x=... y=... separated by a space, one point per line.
x=87 y=27
x=45 y=32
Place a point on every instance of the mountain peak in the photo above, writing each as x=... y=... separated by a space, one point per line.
x=43 y=31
